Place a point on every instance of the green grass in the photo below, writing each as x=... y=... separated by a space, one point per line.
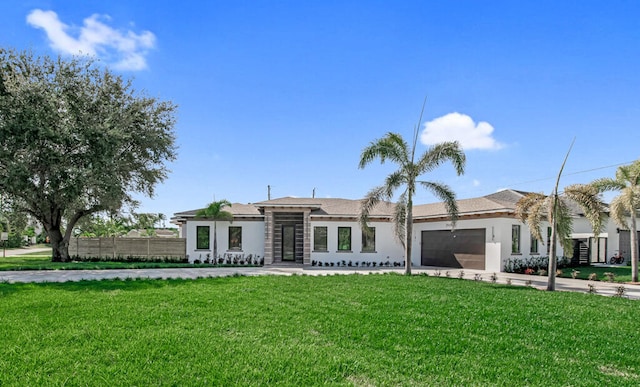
x=304 y=330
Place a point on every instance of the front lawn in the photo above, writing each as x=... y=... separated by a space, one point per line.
x=305 y=330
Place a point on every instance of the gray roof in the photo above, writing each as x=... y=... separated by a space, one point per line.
x=237 y=209
x=501 y=202
x=328 y=206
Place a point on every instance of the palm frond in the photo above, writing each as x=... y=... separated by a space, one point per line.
x=392 y=146
x=370 y=201
x=532 y=209
x=607 y=184
x=589 y=199
x=439 y=154
x=446 y=195
x=215 y=211
x=400 y=218
x=618 y=210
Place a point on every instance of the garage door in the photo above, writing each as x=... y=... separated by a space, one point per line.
x=459 y=249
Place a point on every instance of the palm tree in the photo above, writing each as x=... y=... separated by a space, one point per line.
x=533 y=208
x=394 y=148
x=215 y=212
x=627 y=182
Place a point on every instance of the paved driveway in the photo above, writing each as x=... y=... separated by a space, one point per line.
x=562 y=284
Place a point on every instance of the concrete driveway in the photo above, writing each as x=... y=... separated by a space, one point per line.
x=562 y=284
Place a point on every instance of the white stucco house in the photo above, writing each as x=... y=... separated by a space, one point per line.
x=311 y=231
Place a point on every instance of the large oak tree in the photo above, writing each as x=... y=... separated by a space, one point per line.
x=76 y=139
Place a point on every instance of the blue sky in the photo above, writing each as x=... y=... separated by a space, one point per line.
x=288 y=93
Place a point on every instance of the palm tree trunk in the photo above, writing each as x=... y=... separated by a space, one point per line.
x=551 y=272
x=408 y=234
x=634 y=248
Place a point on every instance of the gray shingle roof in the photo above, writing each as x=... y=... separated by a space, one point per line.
x=498 y=202
x=328 y=206
x=502 y=201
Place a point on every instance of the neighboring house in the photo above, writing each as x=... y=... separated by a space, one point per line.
x=311 y=230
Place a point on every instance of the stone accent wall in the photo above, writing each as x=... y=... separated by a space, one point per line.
x=268 y=237
x=306 y=260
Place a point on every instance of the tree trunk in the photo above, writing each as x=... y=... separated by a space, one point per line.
x=634 y=248
x=408 y=234
x=59 y=245
x=551 y=272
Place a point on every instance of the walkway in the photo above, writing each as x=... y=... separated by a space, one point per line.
x=562 y=284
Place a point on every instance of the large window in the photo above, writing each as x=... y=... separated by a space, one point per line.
x=344 y=238
x=202 y=237
x=534 y=245
x=548 y=240
x=319 y=239
x=369 y=240
x=515 y=239
x=235 y=238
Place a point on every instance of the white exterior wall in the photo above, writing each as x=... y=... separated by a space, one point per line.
x=252 y=238
x=497 y=239
x=386 y=248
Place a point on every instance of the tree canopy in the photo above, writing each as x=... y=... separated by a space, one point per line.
x=76 y=139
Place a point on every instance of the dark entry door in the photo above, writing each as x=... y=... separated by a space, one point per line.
x=288 y=242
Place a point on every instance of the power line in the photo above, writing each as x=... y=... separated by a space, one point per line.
x=571 y=173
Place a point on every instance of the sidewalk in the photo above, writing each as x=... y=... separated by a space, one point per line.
x=26 y=250
x=562 y=284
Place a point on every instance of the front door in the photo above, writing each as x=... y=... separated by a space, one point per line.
x=288 y=242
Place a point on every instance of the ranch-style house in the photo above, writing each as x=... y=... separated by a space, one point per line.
x=308 y=231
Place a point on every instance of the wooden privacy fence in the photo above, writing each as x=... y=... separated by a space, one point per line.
x=128 y=247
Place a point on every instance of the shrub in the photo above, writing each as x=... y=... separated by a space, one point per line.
x=519 y=265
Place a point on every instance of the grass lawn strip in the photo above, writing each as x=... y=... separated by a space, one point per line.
x=304 y=330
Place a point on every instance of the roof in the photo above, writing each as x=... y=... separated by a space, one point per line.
x=327 y=206
x=501 y=202
x=237 y=209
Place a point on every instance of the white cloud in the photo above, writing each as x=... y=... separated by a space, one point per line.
x=126 y=50
x=461 y=128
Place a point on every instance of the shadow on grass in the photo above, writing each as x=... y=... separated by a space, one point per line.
x=104 y=285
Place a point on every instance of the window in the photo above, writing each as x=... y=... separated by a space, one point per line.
x=534 y=245
x=202 y=237
x=344 y=238
x=369 y=240
x=548 y=240
x=515 y=239
x=319 y=239
x=235 y=238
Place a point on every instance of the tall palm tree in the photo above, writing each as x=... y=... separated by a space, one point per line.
x=394 y=148
x=215 y=211
x=533 y=208
x=627 y=203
